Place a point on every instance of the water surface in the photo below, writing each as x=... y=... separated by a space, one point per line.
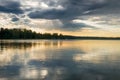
x=59 y=60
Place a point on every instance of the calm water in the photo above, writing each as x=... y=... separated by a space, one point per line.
x=60 y=60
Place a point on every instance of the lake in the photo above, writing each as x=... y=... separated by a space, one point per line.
x=59 y=60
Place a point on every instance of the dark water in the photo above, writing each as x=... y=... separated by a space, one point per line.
x=60 y=60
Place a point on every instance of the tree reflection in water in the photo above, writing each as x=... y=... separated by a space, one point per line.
x=59 y=60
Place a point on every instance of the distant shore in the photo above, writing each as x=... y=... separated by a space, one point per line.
x=28 y=34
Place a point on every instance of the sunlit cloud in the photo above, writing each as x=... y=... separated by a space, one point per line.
x=60 y=15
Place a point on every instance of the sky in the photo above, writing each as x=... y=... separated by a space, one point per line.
x=72 y=17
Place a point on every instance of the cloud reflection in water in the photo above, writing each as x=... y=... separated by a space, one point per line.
x=59 y=60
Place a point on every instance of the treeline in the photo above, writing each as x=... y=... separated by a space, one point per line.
x=16 y=33
x=29 y=34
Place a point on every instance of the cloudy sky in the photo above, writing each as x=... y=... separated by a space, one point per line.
x=74 y=17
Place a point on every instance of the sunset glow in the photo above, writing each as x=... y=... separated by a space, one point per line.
x=71 y=17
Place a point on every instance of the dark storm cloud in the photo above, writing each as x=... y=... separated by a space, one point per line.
x=15 y=19
x=63 y=10
x=112 y=8
x=72 y=9
x=10 y=6
x=70 y=26
x=49 y=14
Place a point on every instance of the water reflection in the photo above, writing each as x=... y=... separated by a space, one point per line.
x=59 y=60
x=23 y=44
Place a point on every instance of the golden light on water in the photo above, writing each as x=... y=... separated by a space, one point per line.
x=92 y=49
x=43 y=59
x=97 y=58
x=44 y=73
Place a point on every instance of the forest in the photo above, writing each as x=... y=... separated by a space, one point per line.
x=29 y=34
x=16 y=33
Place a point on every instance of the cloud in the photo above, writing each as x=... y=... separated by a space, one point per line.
x=71 y=9
x=10 y=6
x=14 y=19
x=49 y=14
x=111 y=7
x=65 y=11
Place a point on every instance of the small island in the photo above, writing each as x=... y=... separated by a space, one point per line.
x=16 y=33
